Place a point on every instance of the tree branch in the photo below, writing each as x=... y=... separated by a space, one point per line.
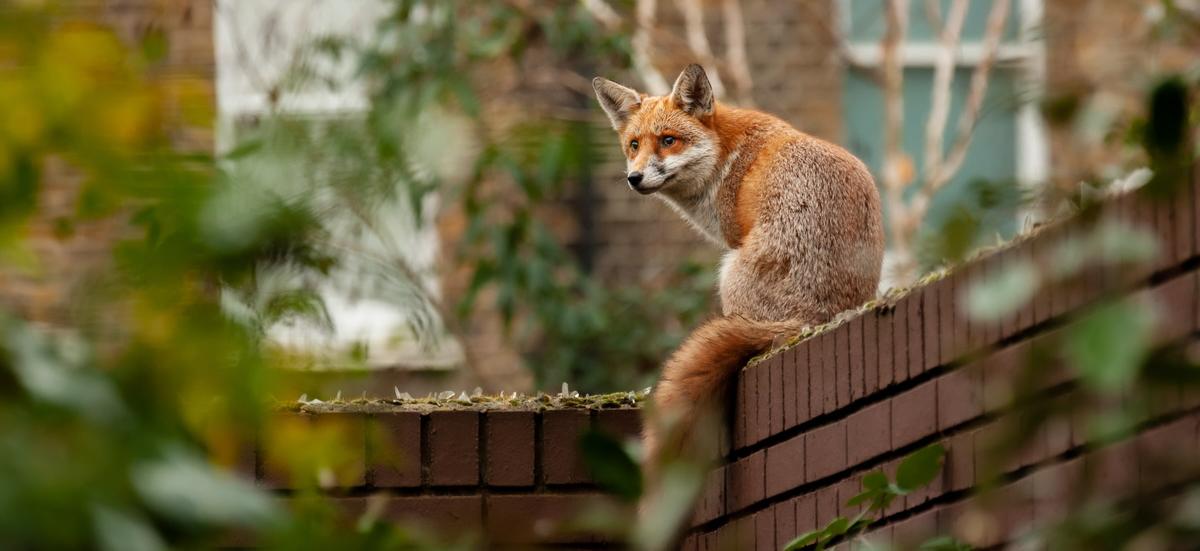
x=655 y=83
x=974 y=102
x=943 y=78
x=894 y=159
x=737 y=62
x=697 y=39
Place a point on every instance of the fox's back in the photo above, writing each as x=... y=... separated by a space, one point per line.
x=809 y=231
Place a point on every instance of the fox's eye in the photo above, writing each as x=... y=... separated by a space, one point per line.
x=633 y=145
x=668 y=141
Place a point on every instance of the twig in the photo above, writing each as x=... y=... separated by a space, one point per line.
x=735 y=44
x=894 y=159
x=943 y=78
x=651 y=77
x=970 y=114
x=693 y=20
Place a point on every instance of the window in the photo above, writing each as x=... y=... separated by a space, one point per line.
x=1009 y=141
x=376 y=309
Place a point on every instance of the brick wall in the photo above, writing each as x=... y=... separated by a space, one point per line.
x=811 y=420
x=514 y=476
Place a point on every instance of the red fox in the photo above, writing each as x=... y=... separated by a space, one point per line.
x=799 y=217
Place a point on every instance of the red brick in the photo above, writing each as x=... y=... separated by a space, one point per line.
x=785 y=466
x=857 y=369
x=712 y=501
x=538 y=518
x=827 y=504
x=791 y=393
x=742 y=533
x=825 y=451
x=829 y=377
x=806 y=512
x=510 y=448
x=816 y=372
x=804 y=368
x=623 y=424
x=959 y=396
x=914 y=415
x=1000 y=371
x=960 y=462
x=913 y=530
x=868 y=432
x=753 y=399
x=962 y=344
x=1176 y=302
x=1057 y=436
x=453 y=448
x=947 y=348
x=763 y=380
x=690 y=543
x=847 y=489
x=785 y=522
x=871 y=349
x=1194 y=194
x=1164 y=225
x=394 y=449
x=764 y=528
x=741 y=434
x=930 y=331
x=841 y=351
x=749 y=478
x=902 y=336
x=781 y=395
x=562 y=460
x=448 y=515
x=1183 y=220
x=888 y=355
x=915 y=332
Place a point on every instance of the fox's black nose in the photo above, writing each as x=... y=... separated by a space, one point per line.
x=635 y=178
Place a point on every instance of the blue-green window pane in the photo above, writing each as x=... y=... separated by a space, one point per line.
x=991 y=157
x=867 y=21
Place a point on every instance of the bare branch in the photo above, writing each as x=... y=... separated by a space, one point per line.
x=737 y=62
x=603 y=13
x=894 y=159
x=697 y=39
x=974 y=102
x=943 y=78
x=933 y=14
x=655 y=83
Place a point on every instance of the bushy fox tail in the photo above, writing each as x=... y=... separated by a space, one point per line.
x=694 y=383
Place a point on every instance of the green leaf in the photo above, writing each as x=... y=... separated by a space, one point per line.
x=944 y=543
x=1107 y=346
x=803 y=540
x=920 y=468
x=1002 y=294
x=611 y=466
x=181 y=485
x=118 y=530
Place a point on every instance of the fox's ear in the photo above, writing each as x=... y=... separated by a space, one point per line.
x=619 y=102
x=692 y=92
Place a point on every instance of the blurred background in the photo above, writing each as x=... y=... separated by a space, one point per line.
x=207 y=204
x=469 y=223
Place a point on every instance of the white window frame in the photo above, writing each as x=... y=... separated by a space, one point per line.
x=1027 y=57
x=238 y=64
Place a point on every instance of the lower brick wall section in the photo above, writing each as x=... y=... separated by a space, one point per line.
x=504 y=477
x=810 y=421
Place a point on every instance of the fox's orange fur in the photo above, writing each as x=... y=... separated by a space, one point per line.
x=799 y=217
